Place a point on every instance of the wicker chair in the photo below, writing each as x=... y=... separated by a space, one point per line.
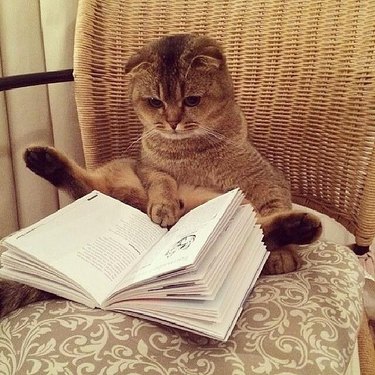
x=304 y=74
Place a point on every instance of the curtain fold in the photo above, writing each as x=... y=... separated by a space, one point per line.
x=35 y=36
x=58 y=24
x=8 y=203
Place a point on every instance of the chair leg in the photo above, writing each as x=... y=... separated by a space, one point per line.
x=360 y=250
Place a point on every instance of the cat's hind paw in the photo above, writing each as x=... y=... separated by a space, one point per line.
x=46 y=162
x=301 y=228
x=292 y=227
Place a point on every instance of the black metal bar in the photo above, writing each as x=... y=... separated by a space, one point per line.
x=33 y=79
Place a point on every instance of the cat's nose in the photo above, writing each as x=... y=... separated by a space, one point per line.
x=173 y=116
x=174 y=124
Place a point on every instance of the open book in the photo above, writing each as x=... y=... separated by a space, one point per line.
x=106 y=254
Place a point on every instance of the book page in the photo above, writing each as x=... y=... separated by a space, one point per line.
x=106 y=252
x=182 y=245
x=25 y=269
x=204 y=281
x=94 y=241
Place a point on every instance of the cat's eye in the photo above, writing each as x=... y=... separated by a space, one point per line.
x=155 y=103
x=192 y=101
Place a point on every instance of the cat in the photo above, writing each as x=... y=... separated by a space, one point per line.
x=195 y=133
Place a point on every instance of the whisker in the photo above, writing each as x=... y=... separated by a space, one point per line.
x=214 y=134
x=219 y=136
x=212 y=138
x=143 y=136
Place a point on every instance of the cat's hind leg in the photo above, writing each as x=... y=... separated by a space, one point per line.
x=58 y=169
x=283 y=232
x=282 y=260
x=290 y=227
x=116 y=178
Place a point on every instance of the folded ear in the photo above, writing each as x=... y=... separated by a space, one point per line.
x=209 y=57
x=136 y=63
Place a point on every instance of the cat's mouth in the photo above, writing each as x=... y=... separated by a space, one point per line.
x=181 y=131
x=177 y=134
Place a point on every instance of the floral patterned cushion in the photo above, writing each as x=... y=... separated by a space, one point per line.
x=305 y=322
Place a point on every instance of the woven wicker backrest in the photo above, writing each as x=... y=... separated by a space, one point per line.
x=304 y=74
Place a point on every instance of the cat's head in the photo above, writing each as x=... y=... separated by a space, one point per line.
x=180 y=86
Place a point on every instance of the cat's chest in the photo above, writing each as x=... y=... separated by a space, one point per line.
x=215 y=168
x=199 y=171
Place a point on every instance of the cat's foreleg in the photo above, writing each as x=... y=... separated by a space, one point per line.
x=168 y=201
x=164 y=206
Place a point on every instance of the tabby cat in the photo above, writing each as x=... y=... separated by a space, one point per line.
x=195 y=133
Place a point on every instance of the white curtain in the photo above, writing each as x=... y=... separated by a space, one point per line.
x=35 y=36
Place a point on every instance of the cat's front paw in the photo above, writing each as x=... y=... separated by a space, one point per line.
x=46 y=162
x=165 y=213
x=281 y=261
